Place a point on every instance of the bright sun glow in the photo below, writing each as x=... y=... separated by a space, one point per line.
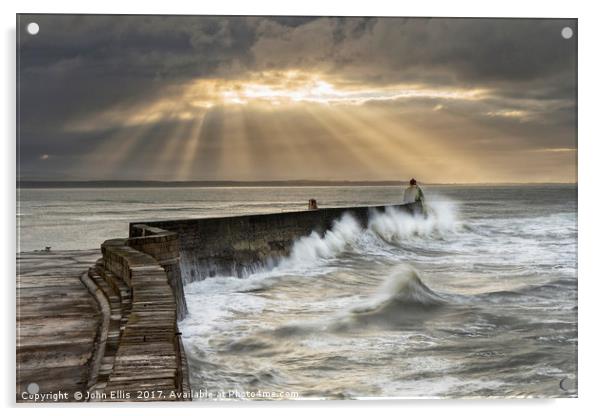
x=295 y=87
x=271 y=124
x=271 y=89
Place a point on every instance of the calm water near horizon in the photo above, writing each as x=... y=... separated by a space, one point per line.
x=478 y=299
x=82 y=218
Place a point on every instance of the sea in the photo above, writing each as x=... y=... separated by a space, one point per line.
x=477 y=299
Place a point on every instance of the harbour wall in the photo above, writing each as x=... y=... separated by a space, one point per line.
x=139 y=285
x=138 y=354
x=235 y=246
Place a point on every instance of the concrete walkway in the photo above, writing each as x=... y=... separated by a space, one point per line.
x=57 y=321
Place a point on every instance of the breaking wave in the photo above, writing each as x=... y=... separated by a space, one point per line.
x=393 y=226
x=309 y=255
x=307 y=250
x=403 y=299
x=403 y=288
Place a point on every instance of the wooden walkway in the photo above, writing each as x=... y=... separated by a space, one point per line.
x=57 y=321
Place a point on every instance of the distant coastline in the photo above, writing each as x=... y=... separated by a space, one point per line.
x=32 y=184
x=191 y=184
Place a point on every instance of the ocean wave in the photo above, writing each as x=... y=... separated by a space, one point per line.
x=309 y=249
x=385 y=233
x=397 y=226
x=393 y=226
x=403 y=299
x=402 y=289
x=538 y=291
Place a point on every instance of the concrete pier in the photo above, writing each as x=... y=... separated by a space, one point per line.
x=57 y=322
x=93 y=329
x=234 y=246
x=107 y=327
x=148 y=361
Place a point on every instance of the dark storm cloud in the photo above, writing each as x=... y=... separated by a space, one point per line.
x=84 y=64
x=80 y=66
x=469 y=50
x=292 y=21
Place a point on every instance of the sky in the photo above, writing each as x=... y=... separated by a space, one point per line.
x=252 y=98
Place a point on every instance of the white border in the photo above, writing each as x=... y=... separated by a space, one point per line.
x=590 y=187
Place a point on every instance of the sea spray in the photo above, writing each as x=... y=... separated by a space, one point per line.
x=308 y=250
x=391 y=227
x=394 y=225
x=353 y=325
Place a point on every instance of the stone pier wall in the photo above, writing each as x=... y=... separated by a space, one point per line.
x=164 y=247
x=235 y=245
x=141 y=277
x=148 y=356
x=129 y=341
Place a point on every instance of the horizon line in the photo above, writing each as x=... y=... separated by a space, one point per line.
x=126 y=183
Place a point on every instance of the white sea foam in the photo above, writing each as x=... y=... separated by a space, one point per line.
x=393 y=226
x=343 y=317
x=311 y=248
